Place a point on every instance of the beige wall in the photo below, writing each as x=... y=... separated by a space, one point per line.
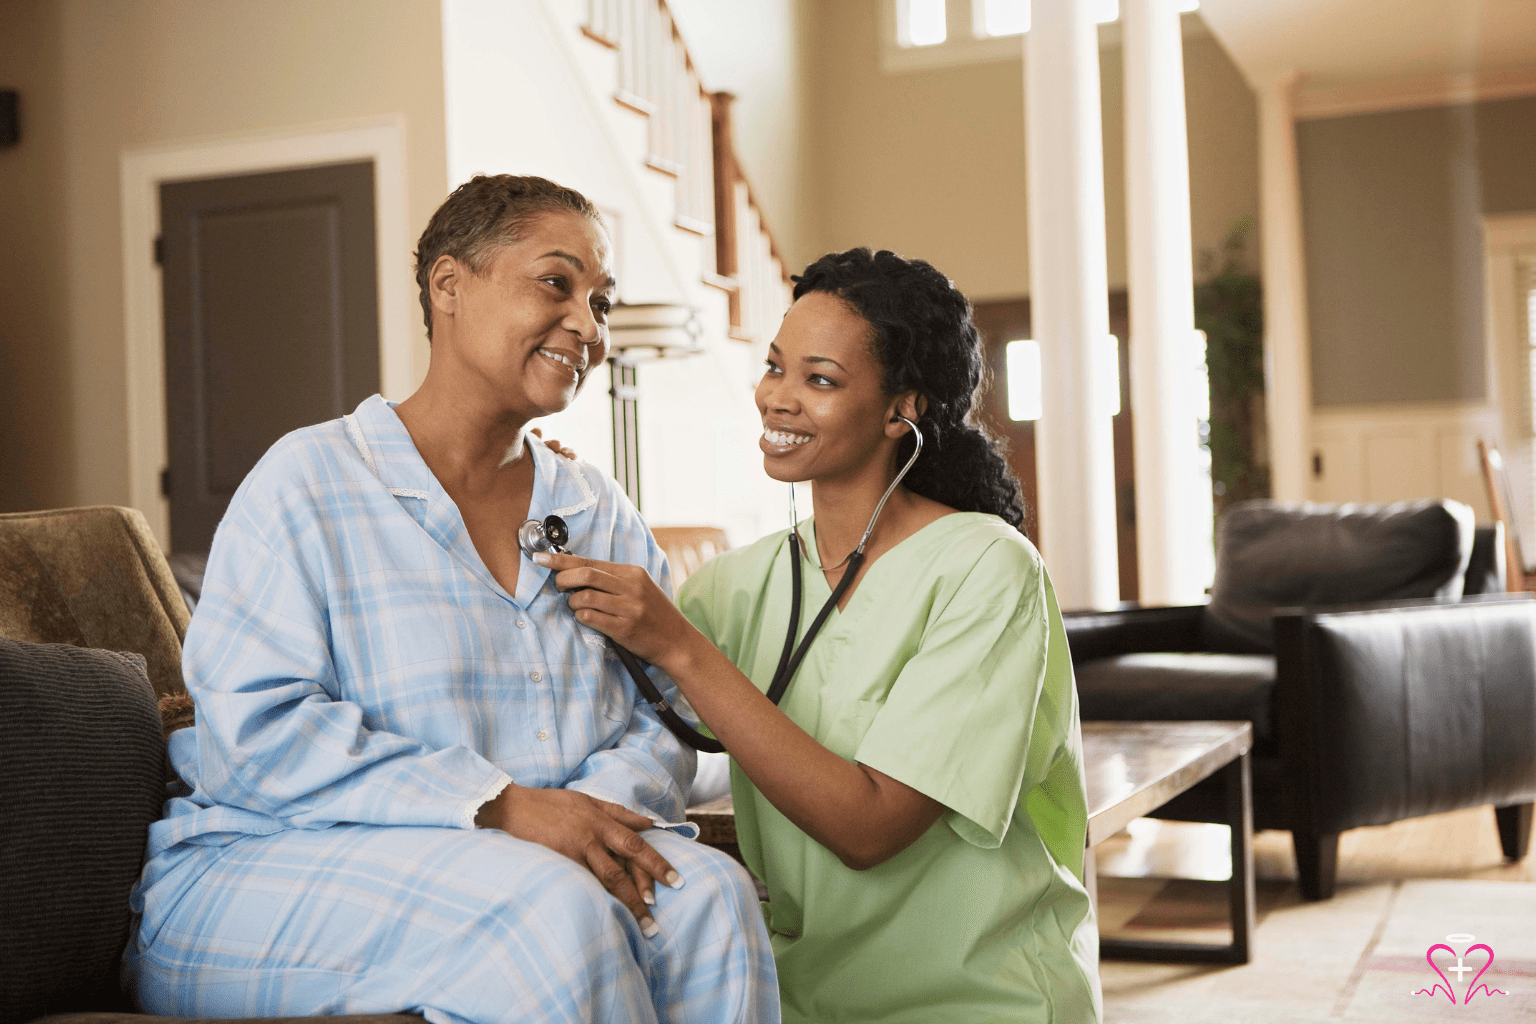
x=1391 y=205
x=100 y=76
x=36 y=424
x=931 y=163
x=757 y=50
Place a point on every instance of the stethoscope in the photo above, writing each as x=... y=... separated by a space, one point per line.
x=552 y=535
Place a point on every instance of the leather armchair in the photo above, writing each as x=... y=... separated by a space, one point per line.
x=1363 y=714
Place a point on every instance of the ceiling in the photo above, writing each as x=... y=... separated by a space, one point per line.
x=1333 y=43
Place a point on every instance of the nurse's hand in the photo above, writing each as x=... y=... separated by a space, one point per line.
x=622 y=602
x=556 y=446
x=603 y=837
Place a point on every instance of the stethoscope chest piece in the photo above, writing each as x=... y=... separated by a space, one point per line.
x=550 y=536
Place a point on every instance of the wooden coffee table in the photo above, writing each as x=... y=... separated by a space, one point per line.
x=1131 y=769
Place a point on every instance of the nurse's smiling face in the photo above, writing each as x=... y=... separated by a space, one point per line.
x=825 y=412
x=532 y=322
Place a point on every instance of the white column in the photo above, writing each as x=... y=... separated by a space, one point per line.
x=1173 y=486
x=1287 y=346
x=1069 y=302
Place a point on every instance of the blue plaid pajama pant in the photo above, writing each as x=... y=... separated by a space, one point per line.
x=461 y=926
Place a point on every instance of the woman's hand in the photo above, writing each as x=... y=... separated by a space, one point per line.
x=623 y=602
x=603 y=837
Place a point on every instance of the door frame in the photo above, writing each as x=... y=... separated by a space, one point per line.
x=144 y=169
x=1508 y=237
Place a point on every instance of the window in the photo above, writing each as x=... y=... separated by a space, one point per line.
x=1001 y=17
x=921 y=22
x=1025 y=381
x=939 y=33
x=1510 y=247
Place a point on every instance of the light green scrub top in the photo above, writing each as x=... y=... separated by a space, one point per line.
x=947 y=671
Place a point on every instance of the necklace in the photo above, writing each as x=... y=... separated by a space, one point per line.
x=791 y=656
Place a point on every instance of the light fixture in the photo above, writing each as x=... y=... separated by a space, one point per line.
x=641 y=333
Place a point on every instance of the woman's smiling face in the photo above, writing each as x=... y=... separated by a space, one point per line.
x=822 y=400
x=533 y=322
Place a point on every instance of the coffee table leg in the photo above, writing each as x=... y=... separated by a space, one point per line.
x=1091 y=880
x=1239 y=799
x=1238 y=788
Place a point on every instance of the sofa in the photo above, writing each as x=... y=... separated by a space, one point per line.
x=1383 y=680
x=91 y=622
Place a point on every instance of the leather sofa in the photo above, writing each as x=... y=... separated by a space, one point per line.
x=1381 y=679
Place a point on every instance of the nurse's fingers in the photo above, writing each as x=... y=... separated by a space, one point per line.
x=591 y=577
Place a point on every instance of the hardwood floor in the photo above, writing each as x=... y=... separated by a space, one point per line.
x=1136 y=866
x=1460 y=844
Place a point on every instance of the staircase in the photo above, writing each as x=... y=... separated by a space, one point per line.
x=635 y=53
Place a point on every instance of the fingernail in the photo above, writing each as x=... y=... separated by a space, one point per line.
x=674 y=879
x=541 y=558
x=649 y=897
x=648 y=927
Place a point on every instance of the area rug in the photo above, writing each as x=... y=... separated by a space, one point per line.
x=1360 y=956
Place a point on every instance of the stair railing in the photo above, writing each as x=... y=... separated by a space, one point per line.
x=690 y=141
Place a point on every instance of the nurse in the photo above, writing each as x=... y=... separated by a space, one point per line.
x=415 y=784
x=915 y=805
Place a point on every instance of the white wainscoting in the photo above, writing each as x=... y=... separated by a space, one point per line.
x=1382 y=453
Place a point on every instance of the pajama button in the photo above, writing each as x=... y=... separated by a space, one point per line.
x=535 y=676
x=543 y=735
x=521 y=624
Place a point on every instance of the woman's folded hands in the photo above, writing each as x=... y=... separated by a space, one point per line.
x=602 y=836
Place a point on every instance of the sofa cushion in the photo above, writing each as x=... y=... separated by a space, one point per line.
x=82 y=776
x=1273 y=555
x=92 y=577
x=1180 y=687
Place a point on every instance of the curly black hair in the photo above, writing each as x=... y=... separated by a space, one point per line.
x=922 y=333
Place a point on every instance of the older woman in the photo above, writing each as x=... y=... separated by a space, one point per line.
x=415 y=784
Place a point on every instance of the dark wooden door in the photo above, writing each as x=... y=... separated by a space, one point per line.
x=1008 y=320
x=271 y=322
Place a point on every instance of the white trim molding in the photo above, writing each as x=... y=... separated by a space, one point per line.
x=144 y=169
x=1401 y=451
x=1320 y=101
x=1287 y=341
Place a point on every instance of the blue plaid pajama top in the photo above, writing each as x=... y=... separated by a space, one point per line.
x=353 y=660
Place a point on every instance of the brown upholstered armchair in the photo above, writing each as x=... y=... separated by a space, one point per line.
x=82 y=754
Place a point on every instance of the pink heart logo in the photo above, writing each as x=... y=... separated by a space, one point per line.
x=1429 y=955
x=1472 y=988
